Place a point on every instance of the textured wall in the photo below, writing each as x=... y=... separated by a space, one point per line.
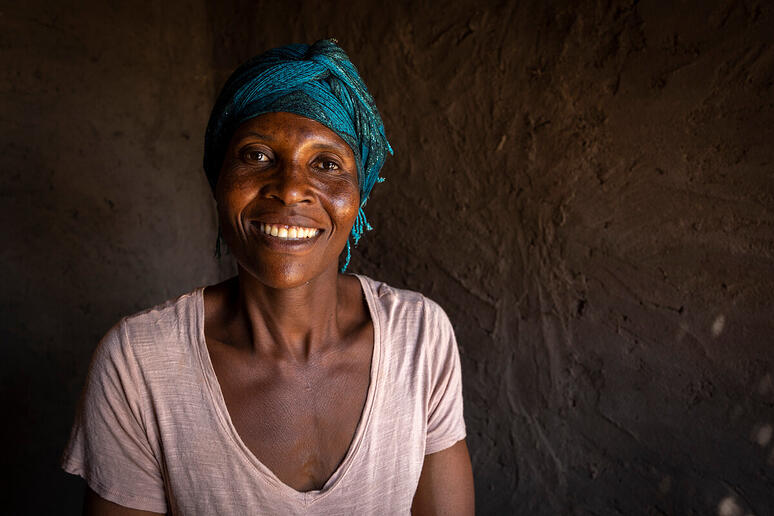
x=587 y=188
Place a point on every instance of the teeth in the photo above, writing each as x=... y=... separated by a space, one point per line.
x=288 y=232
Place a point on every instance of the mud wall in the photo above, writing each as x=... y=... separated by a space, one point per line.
x=587 y=188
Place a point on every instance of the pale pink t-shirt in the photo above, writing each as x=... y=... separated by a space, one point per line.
x=153 y=431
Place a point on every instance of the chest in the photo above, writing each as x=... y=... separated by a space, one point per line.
x=298 y=421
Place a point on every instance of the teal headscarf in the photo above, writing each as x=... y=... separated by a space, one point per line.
x=317 y=82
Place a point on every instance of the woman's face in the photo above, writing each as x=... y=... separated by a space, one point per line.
x=287 y=198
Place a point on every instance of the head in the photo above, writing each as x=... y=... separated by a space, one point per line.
x=305 y=93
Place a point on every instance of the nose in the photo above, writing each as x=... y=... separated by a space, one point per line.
x=289 y=185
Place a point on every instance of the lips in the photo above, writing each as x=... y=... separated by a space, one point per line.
x=286 y=235
x=288 y=232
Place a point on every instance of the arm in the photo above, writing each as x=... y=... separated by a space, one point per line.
x=109 y=446
x=445 y=484
x=95 y=505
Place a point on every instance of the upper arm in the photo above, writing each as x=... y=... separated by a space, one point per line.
x=95 y=505
x=109 y=445
x=445 y=422
x=446 y=483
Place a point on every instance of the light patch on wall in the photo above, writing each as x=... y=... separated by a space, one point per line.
x=762 y=434
x=501 y=144
x=682 y=331
x=718 y=325
x=766 y=386
x=729 y=507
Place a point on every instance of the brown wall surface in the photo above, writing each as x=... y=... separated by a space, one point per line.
x=586 y=187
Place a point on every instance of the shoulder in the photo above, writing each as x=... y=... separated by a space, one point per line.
x=401 y=303
x=412 y=323
x=166 y=316
x=150 y=332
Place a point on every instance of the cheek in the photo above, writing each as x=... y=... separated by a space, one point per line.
x=346 y=205
x=229 y=206
x=232 y=191
x=231 y=203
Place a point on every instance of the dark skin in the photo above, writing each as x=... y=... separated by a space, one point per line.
x=290 y=338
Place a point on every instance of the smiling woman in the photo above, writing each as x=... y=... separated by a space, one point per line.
x=288 y=173
x=292 y=388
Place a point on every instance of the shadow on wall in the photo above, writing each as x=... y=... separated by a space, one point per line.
x=106 y=208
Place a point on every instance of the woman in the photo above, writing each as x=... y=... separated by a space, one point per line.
x=292 y=388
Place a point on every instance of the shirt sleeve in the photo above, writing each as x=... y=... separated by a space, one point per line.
x=109 y=445
x=445 y=422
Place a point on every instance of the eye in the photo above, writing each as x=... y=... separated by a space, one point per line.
x=328 y=163
x=254 y=156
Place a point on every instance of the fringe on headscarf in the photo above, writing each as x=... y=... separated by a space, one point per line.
x=317 y=82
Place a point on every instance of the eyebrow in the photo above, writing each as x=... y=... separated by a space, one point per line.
x=259 y=135
x=331 y=145
x=339 y=147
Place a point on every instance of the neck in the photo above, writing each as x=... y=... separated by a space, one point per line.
x=292 y=323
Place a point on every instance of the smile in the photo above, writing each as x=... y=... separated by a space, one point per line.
x=288 y=232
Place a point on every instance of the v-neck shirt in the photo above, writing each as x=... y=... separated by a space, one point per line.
x=153 y=431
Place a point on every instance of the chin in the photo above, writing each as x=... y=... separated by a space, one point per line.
x=284 y=275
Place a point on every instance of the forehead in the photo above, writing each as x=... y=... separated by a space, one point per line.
x=289 y=128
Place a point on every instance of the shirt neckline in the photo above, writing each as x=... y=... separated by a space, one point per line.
x=219 y=403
